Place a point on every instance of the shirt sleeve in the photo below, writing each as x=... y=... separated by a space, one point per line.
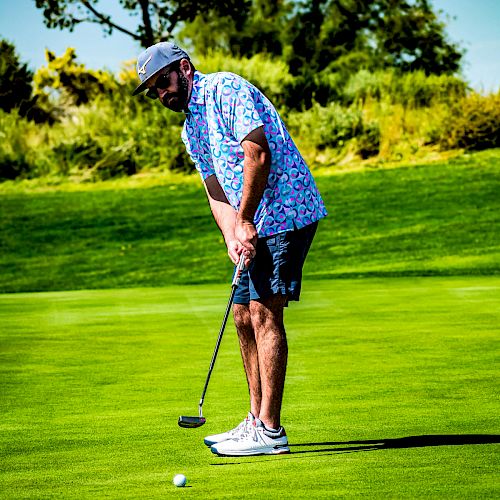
x=204 y=167
x=236 y=100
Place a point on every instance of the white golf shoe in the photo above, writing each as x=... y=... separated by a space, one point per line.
x=233 y=433
x=255 y=440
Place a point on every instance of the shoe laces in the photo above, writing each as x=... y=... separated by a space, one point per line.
x=240 y=427
x=250 y=431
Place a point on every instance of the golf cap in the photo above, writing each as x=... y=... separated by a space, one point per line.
x=154 y=59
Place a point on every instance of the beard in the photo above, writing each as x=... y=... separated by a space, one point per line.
x=177 y=101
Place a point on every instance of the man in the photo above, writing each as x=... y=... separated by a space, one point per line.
x=266 y=205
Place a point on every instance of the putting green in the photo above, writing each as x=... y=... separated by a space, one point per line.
x=392 y=391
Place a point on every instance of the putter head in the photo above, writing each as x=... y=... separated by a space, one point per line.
x=191 y=422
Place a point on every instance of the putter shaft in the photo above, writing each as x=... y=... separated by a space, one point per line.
x=191 y=422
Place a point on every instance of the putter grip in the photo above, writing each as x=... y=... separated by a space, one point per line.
x=239 y=269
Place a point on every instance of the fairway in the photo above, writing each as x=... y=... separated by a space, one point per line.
x=392 y=392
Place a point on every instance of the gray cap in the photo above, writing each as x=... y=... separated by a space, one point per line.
x=154 y=59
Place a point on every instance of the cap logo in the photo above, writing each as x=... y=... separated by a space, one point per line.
x=142 y=69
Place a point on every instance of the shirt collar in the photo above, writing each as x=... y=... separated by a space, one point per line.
x=198 y=90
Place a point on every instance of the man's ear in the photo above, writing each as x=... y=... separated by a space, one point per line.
x=185 y=67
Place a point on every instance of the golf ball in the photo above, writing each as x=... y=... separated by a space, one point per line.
x=180 y=480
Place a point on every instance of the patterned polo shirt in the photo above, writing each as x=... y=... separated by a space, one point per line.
x=223 y=109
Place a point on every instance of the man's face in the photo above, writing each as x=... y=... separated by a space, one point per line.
x=171 y=87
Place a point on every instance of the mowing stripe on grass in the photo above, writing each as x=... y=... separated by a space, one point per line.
x=392 y=391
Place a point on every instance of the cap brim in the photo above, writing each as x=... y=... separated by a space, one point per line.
x=140 y=88
x=143 y=86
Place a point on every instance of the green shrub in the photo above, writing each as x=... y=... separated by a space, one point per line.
x=333 y=126
x=23 y=148
x=412 y=89
x=368 y=143
x=72 y=82
x=77 y=153
x=119 y=161
x=270 y=75
x=366 y=84
x=329 y=126
x=473 y=123
x=416 y=89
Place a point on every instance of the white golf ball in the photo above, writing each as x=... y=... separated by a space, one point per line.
x=180 y=480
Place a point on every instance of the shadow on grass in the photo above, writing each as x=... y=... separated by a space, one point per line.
x=405 y=442
x=338 y=447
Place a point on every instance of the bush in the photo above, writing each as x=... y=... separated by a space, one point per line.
x=333 y=126
x=368 y=143
x=119 y=161
x=71 y=81
x=77 y=153
x=416 y=89
x=270 y=75
x=473 y=123
x=365 y=85
x=23 y=150
x=412 y=89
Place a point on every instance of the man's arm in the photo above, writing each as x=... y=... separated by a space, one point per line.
x=256 y=169
x=224 y=215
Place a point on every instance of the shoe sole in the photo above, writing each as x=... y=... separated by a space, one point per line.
x=251 y=453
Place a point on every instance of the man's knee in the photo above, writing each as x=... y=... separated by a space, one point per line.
x=242 y=318
x=267 y=314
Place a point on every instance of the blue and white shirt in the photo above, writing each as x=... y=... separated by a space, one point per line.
x=224 y=108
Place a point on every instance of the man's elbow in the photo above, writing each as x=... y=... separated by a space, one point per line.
x=264 y=159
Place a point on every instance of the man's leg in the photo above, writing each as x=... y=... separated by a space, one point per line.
x=248 y=348
x=272 y=348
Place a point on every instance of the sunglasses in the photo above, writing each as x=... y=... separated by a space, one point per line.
x=162 y=82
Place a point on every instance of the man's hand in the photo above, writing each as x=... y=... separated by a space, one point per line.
x=234 y=249
x=246 y=234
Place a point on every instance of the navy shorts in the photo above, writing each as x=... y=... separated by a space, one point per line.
x=277 y=266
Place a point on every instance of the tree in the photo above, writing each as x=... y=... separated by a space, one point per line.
x=405 y=34
x=411 y=37
x=71 y=81
x=158 y=19
x=256 y=33
x=15 y=79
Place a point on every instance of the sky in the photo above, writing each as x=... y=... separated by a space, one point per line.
x=474 y=24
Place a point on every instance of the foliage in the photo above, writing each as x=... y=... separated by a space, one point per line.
x=308 y=34
x=412 y=89
x=473 y=123
x=268 y=74
x=74 y=83
x=98 y=131
x=158 y=19
x=314 y=38
x=393 y=33
x=15 y=79
x=334 y=126
x=23 y=152
x=262 y=30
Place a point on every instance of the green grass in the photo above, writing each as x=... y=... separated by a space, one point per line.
x=434 y=219
x=387 y=381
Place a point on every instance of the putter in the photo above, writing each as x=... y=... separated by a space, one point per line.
x=193 y=422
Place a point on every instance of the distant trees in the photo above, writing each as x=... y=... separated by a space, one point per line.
x=158 y=19
x=15 y=79
x=405 y=34
x=72 y=81
x=314 y=35
x=321 y=41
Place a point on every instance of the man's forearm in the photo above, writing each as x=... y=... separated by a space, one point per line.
x=225 y=218
x=256 y=169
x=254 y=182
